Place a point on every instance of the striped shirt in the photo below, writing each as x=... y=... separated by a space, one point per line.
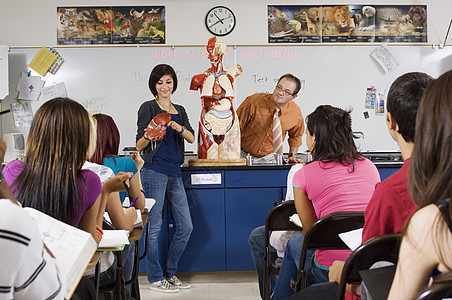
x=27 y=271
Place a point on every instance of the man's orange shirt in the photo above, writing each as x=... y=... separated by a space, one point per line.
x=256 y=119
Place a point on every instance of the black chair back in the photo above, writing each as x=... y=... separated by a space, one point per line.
x=277 y=220
x=324 y=235
x=380 y=248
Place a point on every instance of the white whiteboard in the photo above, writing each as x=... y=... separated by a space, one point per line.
x=114 y=80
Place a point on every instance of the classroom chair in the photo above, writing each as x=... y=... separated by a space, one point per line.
x=277 y=220
x=324 y=235
x=438 y=290
x=380 y=248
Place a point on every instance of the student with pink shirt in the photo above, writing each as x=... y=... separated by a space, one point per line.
x=337 y=179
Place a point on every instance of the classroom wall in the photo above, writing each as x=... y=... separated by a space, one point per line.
x=113 y=80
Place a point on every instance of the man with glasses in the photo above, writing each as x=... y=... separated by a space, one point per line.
x=260 y=113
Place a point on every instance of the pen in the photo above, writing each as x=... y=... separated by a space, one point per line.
x=133 y=202
x=5 y=111
x=129 y=194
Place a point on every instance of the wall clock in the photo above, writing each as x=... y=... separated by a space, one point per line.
x=220 y=21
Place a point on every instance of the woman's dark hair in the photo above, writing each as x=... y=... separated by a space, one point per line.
x=334 y=138
x=57 y=147
x=158 y=72
x=108 y=138
x=430 y=173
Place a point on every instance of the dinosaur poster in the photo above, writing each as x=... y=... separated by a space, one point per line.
x=111 y=25
x=347 y=23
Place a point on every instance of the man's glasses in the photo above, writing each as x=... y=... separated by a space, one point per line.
x=286 y=92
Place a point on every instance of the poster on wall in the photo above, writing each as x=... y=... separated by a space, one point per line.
x=294 y=24
x=347 y=23
x=401 y=23
x=111 y=25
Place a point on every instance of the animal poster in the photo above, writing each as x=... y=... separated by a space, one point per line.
x=347 y=23
x=401 y=23
x=111 y=25
x=294 y=24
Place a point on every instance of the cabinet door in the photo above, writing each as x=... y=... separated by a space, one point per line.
x=386 y=172
x=205 y=250
x=246 y=209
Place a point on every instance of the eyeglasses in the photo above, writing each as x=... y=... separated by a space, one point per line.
x=286 y=92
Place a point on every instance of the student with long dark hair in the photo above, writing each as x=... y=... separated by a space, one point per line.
x=162 y=177
x=338 y=178
x=51 y=179
x=426 y=245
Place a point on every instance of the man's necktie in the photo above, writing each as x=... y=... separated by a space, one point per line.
x=277 y=134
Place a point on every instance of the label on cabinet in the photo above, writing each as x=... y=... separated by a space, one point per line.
x=211 y=178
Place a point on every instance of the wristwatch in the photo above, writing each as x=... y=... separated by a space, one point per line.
x=294 y=154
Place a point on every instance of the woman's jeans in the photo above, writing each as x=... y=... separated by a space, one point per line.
x=290 y=265
x=157 y=185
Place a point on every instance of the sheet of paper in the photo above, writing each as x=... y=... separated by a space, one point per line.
x=114 y=238
x=4 y=73
x=139 y=221
x=386 y=58
x=296 y=220
x=57 y=62
x=29 y=87
x=352 y=238
x=42 y=61
x=22 y=114
x=53 y=91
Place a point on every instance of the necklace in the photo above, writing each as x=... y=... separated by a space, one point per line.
x=163 y=107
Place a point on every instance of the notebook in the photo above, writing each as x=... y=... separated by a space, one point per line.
x=73 y=248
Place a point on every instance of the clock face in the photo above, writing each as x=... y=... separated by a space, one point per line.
x=220 y=21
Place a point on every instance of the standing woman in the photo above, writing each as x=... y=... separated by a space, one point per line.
x=161 y=175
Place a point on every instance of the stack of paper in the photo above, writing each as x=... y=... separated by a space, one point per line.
x=114 y=239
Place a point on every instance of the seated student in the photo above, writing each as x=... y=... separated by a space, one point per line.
x=28 y=270
x=426 y=245
x=390 y=205
x=106 y=153
x=338 y=178
x=51 y=179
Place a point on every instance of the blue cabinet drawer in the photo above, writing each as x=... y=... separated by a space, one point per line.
x=256 y=178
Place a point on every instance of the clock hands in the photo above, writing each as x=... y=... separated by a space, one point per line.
x=219 y=20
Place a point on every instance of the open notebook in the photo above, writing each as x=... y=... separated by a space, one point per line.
x=72 y=248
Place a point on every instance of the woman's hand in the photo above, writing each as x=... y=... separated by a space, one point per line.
x=146 y=137
x=138 y=160
x=116 y=184
x=175 y=126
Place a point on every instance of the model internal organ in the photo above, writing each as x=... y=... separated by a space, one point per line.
x=157 y=127
x=219 y=130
